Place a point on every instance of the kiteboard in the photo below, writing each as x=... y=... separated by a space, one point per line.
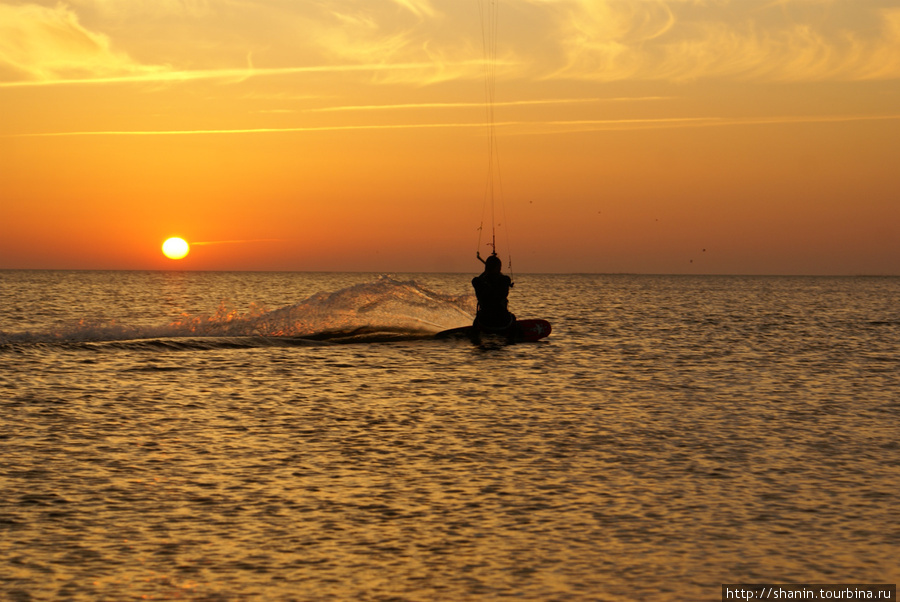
x=520 y=331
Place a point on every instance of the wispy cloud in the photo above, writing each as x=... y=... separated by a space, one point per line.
x=678 y=40
x=50 y=46
x=50 y=43
x=350 y=34
x=121 y=9
x=420 y=8
x=419 y=42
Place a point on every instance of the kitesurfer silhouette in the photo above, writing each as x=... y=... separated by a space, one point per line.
x=492 y=289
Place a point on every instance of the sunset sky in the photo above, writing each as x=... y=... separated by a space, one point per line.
x=651 y=136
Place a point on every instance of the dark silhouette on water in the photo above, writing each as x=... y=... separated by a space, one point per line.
x=492 y=289
x=493 y=317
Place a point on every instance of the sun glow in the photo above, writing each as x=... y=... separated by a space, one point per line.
x=341 y=139
x=175 y=248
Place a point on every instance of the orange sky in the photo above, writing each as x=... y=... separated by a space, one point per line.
x=345 y=135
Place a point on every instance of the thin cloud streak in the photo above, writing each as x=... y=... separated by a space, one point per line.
x=222 y=74
x=571 y=126
x=255 y=130
x=226 y=242
x=460 y=105
x=564 y=127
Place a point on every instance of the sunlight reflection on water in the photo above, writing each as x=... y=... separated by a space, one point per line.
x=672 y=434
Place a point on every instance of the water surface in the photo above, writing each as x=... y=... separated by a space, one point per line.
x=277 y=436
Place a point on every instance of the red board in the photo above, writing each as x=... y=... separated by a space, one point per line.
x=532 y=330
x=521 y=330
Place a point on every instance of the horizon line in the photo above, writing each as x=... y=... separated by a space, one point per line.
x=399 y=272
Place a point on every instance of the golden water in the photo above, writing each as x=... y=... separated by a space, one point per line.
x=672 y=434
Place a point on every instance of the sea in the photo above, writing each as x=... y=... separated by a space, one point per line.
x=302 y=436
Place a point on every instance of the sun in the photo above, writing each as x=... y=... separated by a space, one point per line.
x=175 y=248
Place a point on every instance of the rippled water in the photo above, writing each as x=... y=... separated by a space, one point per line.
x=216 y=436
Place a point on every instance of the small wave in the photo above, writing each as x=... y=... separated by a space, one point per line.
x=383 y=310
x=884 y=322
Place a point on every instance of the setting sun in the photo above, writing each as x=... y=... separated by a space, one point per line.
x=631 y=135
x=175 y=248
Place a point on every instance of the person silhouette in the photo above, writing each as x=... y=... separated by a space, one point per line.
x=491 y=290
